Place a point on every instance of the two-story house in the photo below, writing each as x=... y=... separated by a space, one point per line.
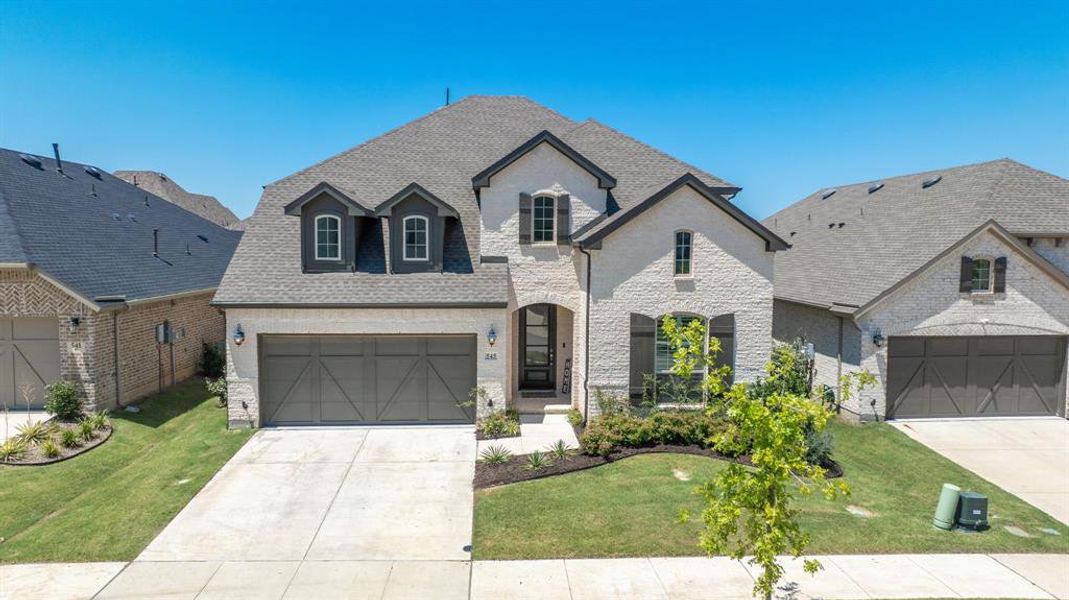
x=491 y=244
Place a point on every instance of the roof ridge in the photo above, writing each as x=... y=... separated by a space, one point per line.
x=904 y=175
x=593 y=121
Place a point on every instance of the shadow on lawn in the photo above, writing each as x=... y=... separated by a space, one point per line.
x=158 y=409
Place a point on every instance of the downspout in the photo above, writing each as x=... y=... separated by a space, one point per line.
x=839 y=360
x=586 y=344
x=115 y=357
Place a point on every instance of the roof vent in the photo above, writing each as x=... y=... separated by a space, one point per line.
x=875 y=187
x=93 y=172
x=827 y=194
x=841 y=225
x=202 y=238
x=116 y=217
x=931 y=181
x=831 y=225
x=146 y=200
x=793 y=232
x=93 y=190
x=33 y=161
x=132 y=217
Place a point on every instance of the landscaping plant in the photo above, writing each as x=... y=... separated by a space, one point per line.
x=212 y=361
x=495 y=455
x=561 y=450
x=538 y=460
x=500 y=423
x=100 y=420
x=86 y=430
x=33 y=433
x=217 y=387
x=69 y=438
x=12 y=448
x=62 y=401
x=575 y=418
x=50 y=449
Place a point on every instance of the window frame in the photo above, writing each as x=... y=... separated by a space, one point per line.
x=552 y=219
x=689 y=260
x=658 y=343
x=337 y=244
x=990 y=289
x=426 y=239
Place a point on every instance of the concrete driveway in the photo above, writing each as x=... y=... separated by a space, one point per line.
x=1026 y=457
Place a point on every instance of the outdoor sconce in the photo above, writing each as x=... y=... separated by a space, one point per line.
x=239 y=336
x=878 y=339
x=74 y=323
x=491 y=336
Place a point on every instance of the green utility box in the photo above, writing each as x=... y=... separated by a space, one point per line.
x=946 y=510
x=972 y=511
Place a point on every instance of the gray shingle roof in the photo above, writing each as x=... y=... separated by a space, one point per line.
x=889 y=233
x=163 y=186
x=55 y=223
x=441 y=151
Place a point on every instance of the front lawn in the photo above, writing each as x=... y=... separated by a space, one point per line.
x=629 y=507
x=109 y=503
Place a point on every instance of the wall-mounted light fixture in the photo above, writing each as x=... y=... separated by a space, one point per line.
x=878 y=339
x=491 y=336
x=73 y=323
x=239 y=336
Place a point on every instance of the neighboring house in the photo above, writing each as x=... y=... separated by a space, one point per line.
x=91 y=269
x=163 y=186
x=951 y=286
x=491 y=243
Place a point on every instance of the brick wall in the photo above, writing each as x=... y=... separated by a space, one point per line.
x=144 y=364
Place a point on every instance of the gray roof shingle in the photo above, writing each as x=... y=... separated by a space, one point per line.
x=441 y=151
x=66 y=225
x=891 y=232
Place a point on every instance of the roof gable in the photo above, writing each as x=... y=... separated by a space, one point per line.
x=354 y=208
x=715 y=195
x=482 y=179
x=444 y=209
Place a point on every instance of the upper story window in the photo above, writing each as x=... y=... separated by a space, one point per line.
x=543 y=220
x=683 y=252
x=328 y=237
x=415 y=228
x=981 y=275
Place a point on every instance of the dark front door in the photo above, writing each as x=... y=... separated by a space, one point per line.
x=538 y=325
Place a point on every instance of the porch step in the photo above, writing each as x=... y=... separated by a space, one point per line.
x=538 y=394
x=557 y=409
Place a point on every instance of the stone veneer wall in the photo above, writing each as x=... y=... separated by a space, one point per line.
x=145 y=365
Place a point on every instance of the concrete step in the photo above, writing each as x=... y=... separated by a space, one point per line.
x=557 y=409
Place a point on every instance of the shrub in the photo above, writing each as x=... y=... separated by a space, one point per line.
x=69 y=438
x=500 y=423
x=212 y=361
x=561 y=450
x=86 y=430
x=818 y=446
x=49 y=448
x=606 y=434
x=100 y=420
x=217 y=388
x=611 y=404
x=12 y=448
x=495 y=455
x=61 y=400
x=538 y=460
x=33 y=433
x=575 y=417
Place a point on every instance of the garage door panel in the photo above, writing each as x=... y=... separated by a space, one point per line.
x=977 y=376
x=403 y=400
x=450 y=346
x=289 y=345
x=399 y=346
x=29 y=359
x=906 y=346
x=343 y=395
x=337 y=345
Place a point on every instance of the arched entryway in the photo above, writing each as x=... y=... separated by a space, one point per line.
x=543 y=361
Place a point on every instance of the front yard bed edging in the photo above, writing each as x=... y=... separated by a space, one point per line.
x=515 y=470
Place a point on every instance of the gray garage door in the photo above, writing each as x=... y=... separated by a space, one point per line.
x=975 y=376
x=337 y=379
x=29 y=359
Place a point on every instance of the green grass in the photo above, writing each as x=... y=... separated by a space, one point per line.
x=629 y=508
x=109 y=503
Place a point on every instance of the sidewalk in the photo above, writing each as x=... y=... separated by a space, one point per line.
x=685 y=578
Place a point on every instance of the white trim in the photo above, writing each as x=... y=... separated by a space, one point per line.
x=426 y=238
x=316 y=237
x=552 y=241
x=690 y=260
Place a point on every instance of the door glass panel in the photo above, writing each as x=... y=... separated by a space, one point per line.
x=537 y=315
x=537 y=356
x=537 y=336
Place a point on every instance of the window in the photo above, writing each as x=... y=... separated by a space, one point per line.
x=543 y=221
x=415 y=238
x=328 y=238
x=682 y=267
x=981 y=275
x=662 y=358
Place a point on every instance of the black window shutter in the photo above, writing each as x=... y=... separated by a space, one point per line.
x=643 y=349
x=525 y=218
x=564 y=207
x=1000 y=275
x=965 y=285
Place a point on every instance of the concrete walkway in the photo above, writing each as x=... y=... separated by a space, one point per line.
x=843 y=577
x=15 y=418
x=537 y=432
x=1027 y=457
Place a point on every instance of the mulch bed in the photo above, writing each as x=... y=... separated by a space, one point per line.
x=35 y=457
x=515 y=470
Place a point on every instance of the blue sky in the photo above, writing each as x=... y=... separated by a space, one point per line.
x=779 y=99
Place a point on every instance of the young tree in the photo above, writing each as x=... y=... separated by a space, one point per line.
x=694 y=352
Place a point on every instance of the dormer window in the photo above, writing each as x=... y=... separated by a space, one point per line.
x=544 y=220
x=415 y=228
x=328 y=237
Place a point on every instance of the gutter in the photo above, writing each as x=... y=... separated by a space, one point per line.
x=586 y=344
x=312 y=305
